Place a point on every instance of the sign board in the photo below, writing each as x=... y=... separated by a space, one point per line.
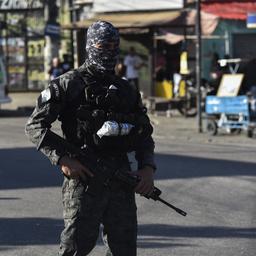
x=230 y=85
x=251 y=20
x=184 y=63
x=36 y=74
x=10 y=5
x=52 y=30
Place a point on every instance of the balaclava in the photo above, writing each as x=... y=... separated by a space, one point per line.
x=103 y=59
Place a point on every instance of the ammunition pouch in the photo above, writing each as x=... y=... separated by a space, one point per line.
x=116 y=102
x=90 y=121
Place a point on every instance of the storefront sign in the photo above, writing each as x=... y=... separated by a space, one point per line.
x=9 y=5
x=251 y=20
x=52 y=30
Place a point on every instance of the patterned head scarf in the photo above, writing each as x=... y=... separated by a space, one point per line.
x=102 y=46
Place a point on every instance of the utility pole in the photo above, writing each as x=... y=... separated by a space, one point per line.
x=153 y=63
x=198 y=64
x=25 y=31
x=51 y=34
x=72 y=19
x=6 y=48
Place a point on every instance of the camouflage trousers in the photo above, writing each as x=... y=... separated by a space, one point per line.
x=83 y=213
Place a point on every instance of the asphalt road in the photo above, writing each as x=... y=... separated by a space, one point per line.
x=212 y=179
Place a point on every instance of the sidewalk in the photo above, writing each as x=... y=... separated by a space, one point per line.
x=21 y=100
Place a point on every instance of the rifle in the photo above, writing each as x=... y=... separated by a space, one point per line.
x=103 y=172
x=133 y=181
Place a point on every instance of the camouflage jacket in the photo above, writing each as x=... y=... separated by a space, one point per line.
x=60 y=101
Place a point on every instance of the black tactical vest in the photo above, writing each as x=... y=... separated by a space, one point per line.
x=110 y=98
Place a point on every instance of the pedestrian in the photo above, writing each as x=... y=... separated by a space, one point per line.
x=120 y=69
x=55 y=69
x=133 y=63
x=95 y=87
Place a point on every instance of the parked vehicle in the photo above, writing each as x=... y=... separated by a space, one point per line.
x=3 y=84
x=232 y=114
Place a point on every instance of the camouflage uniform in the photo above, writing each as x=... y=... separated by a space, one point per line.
x=113 y=206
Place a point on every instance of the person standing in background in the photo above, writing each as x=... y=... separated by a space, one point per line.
x=133 y=63
x=55 y=69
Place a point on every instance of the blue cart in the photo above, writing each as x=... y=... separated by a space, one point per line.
x=230 y=113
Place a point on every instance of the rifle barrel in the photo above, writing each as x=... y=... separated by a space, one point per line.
x=181 y=212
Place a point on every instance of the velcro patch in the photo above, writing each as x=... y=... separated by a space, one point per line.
x=45 y=95
x=52 y=93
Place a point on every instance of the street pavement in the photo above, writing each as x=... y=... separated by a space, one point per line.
x=211 y=178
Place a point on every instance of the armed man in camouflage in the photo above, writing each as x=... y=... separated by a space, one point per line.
x=83 y=100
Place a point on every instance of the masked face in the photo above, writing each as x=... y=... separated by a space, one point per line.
x=102 y=46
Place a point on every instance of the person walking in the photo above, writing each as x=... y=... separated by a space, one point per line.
x=55 y=69
x=133 y=63
x=85 y=100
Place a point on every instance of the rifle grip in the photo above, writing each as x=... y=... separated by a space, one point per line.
x=155 y=194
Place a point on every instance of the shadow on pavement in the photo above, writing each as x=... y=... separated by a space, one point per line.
x=19 y=112
x=9 y=198
x=159 y=243
x=161 y=236
x=185 y=167
x=29 y=231
x=42 y=231
x=196 y=231
x=27 y=168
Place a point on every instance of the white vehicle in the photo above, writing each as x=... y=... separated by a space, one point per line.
x=3 y=84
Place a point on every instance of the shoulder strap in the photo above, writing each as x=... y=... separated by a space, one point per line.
x=85 y=77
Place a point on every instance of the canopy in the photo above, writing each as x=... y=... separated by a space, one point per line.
x=129 y=20
x=101 y=6
x=230 y=10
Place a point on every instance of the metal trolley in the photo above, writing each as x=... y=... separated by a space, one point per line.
x=230 y=113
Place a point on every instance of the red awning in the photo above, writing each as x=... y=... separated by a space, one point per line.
x=230 y=10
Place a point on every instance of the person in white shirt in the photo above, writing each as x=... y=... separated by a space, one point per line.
x=133 y=63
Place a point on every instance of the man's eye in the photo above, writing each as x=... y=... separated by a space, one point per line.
x=106 y=45
x=99 y=46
